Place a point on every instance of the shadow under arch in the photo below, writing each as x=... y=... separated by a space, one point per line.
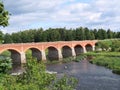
x=52 y=53
x=66 y=51
x=88 y=48
x=35 y=53
x=78 y=49
x=13 y=54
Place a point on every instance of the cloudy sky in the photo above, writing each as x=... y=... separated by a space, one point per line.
x=28 y=14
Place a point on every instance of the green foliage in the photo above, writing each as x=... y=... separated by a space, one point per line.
x=109 y=62
x=6 y=53
x=65 y=83
x=109 y=34
x=115 y=46
x=108 y=59
x=80 y=34
x=109 y=45
x=53 y=35
x=36 y=78
x=103 y=53
x=8 y=38
x=104 y=45
x=1 y=37
x=5 y=64
x=59 y=34
x=4 y=15
x=102 y=34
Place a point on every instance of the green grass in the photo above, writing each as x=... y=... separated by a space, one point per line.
x=105 y=53
x=110 y=60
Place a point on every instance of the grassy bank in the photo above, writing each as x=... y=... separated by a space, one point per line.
x=110 y=60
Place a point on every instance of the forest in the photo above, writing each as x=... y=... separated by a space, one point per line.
x=58 y=34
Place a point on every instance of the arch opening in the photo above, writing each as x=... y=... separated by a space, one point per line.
x=88 y=48
x=35 y=53
x=52 y=53
x=78 y=49
x=66 y=51
x=15 y=56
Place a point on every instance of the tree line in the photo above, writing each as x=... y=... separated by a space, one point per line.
x=58 y=34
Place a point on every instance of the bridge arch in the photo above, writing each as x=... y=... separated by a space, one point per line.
x=52 y=53
x=35 y=52
x=89 y=47
x=14 y=55
x=78 y=49
x=66 y=51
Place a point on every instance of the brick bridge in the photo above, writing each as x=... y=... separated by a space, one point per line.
x=55 y=50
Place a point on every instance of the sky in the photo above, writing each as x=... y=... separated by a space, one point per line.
x=34 y=14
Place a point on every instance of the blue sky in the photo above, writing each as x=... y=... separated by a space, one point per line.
x=28 y=14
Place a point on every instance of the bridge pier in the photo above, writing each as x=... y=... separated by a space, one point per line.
x=23 y=57
x=60 y=54
x=73 y=52
x=43 y=55
x=93 y=48
x=84 y=50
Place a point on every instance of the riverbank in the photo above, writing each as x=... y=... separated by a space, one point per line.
x=109 y=60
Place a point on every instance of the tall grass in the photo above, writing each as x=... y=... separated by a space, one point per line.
x=110 y=60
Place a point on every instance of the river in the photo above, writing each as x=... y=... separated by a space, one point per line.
x=91 y=77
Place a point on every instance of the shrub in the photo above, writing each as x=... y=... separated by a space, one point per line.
x=5 y=64
x=36 y=78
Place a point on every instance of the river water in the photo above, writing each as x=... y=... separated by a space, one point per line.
x=91 y=77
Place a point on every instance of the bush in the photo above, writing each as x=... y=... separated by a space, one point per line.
x=36 y=78
x=5 y=64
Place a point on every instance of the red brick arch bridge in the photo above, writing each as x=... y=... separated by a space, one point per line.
x=56 y=50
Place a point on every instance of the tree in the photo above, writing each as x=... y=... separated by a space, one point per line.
x=87 y=33
x=8 y=38
x=1 y=37
x=110 y=34
x=38 y=35
x=118 y=35
x=4 y=15
x=92 y=35
x=53 y=35
x=95 y=33
x=80 y=34
x=69 y=36
x=102 y=34
x=62 y=32
x=104 y=45
x=16 y=37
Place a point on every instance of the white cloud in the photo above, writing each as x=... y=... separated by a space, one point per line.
x=95 y=13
